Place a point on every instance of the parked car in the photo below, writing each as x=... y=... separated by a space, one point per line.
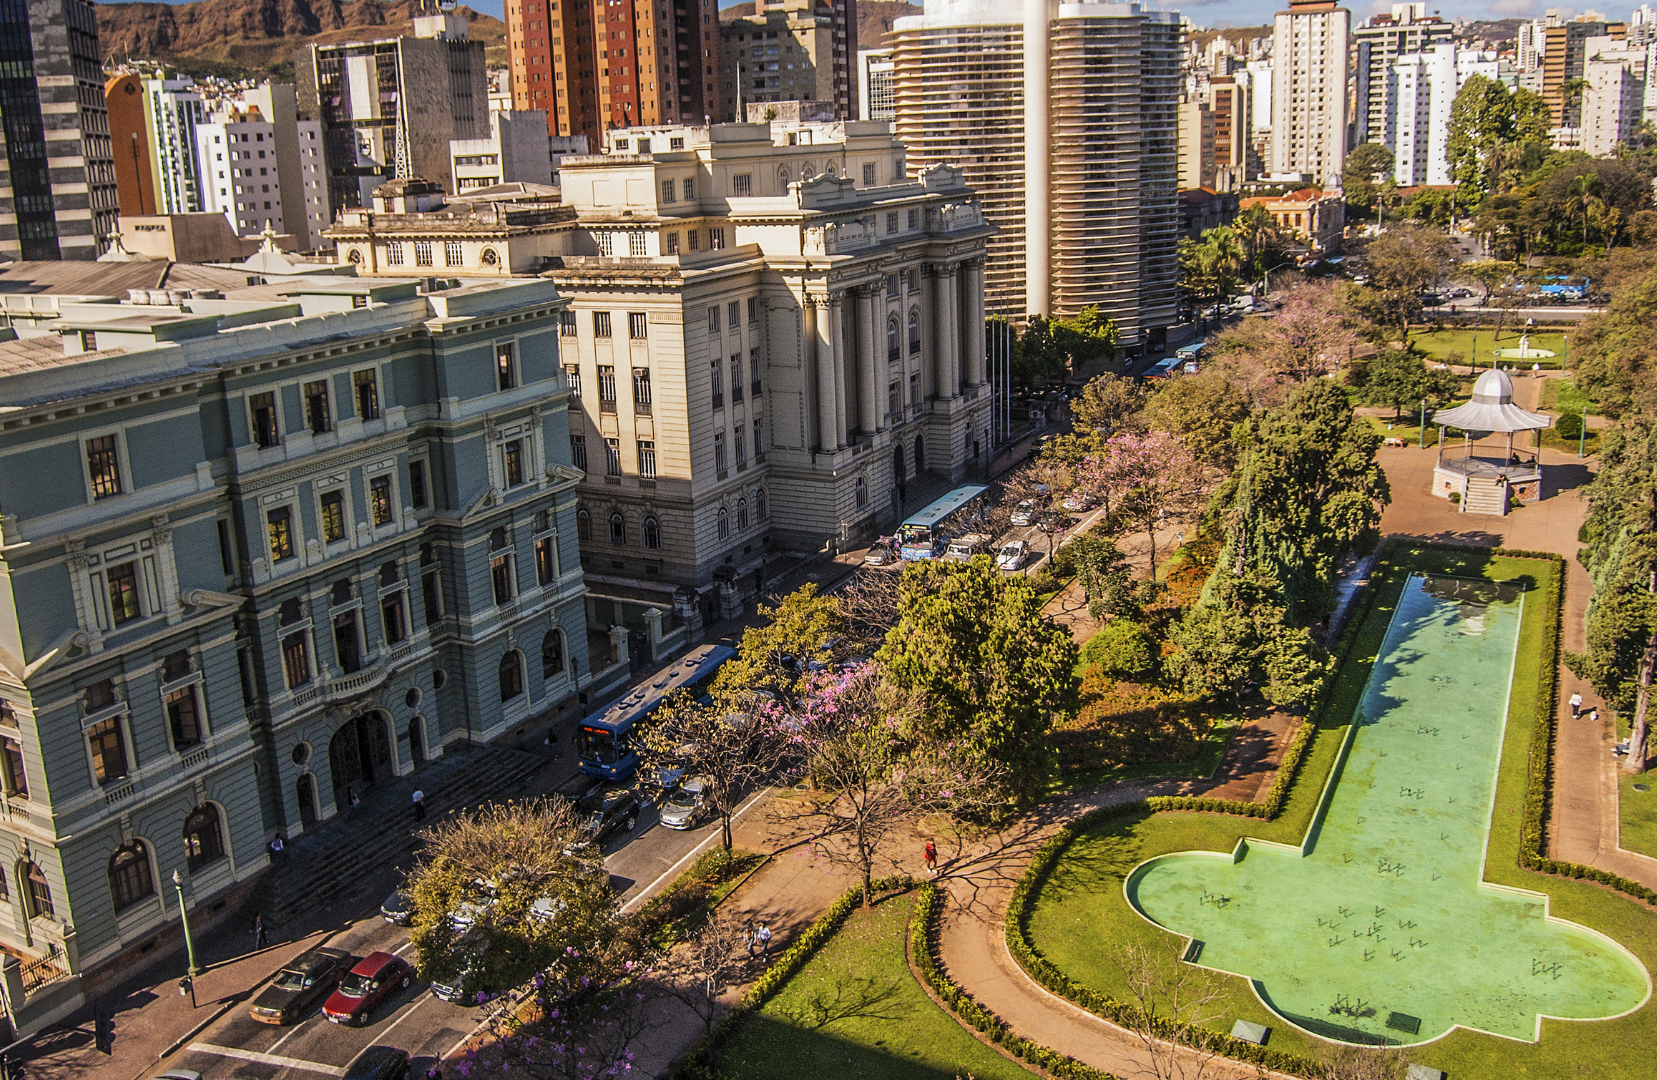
x=1013 y=555
x=608 y=813
x=1024 y=513
x=683 y=806
x=379 y=1063
x=1077 y=501
x=478 y=898
x=879 y=555
x=964 y=547
x=398 y=909
x=1459 y=293
x=376 y=977
x=301 y=983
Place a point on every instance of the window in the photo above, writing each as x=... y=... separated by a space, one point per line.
x=264 y=419
x=694 y=239
x=759 y=442
x=893 y=285
x=914 y=277
x=578 y=451
x=724 y=524
x=635 y=244
x=893 y=350
x=40 y=893
x=513 y=460
x=511 y=675
x=367 y=388
x=451 y=252
x=279 y=526
x=713 y=319
x=203 y=842
x=861 y=490
x=668 y=191
x=546 y=560
x=417 y=484
x=891 y=221
x=753 y=373
x=673 y=243
x=392 y=618
x=718 y=385
x=552 y=654
x=868 y=175
x=333 y=517
x=583 y=525
x=618 y=531
x=431 y=592
x=914 y=219
x=915 y=390
x=601 y=324
x=130 y=879
x=506 y=374
x=296 y=660
x=606 y=389
x=13 y=775
x=638 y=325
x=736 y=378
x=719 y=451
x=741 y=448
x=500 y=579
x=647 y=459
x=379 y=500
x=123 y=592
x=566 y=323
x=759 y=505
x=651 y=534
x=894 y=398
x=741 y=515
x=914 y=331
x=184 y=718
x=612 y=457
x=641 y=391
x=733 y=313
x=716 y=239
x=422 y=253
x=605 y=245
x=394 y=254
x=317 y=417
x=742 y=184
x=103 y=466
x=100 y=695
x=753 y=309
x=573 y=376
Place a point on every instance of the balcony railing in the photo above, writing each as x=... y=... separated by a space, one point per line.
x=38 y=973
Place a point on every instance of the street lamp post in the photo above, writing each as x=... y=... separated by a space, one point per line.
x=189 y=943
x=1422 y=443
x=1582 y=435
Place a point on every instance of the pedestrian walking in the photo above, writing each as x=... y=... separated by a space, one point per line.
x=261 y=937
x=276 y=846
x=1576 y=706
x=764 y=936
x=419 y=805
x=753 y=938
x=351 y=802
x=931 y=858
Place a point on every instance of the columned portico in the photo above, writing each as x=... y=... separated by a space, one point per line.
x=973 y=311
x=828 y=401
x=868 y=396
x=837 y=327
x=946 y=356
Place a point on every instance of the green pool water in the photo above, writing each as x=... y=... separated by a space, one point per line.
x=1378 y=928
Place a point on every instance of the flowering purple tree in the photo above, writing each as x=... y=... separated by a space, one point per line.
x=856 y=736
x=1150 y=477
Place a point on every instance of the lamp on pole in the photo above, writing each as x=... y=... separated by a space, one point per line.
x=1422 y=443
x=184 y=917
x=1582 y=435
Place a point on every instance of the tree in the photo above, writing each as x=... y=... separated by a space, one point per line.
x=1108 y=403
x=1490 y=275
x=807 y=627
x=1236 y=638
x=1489 y=125
x=1209 y=266
x=1264 y=248
x=1201 y=410
x=1172 y=1002
x=1349 y=1062
x=529 y=902
x=992 y=669
x=1403 y=263
x=700 y=970
x=1122 y=650
x=868 y=745
x=1358 y=175
x=1401 y=379
x=1310 y=335
x=1050 y=349
x=1151 y=477
x=1106 y=578
x=1044 y=484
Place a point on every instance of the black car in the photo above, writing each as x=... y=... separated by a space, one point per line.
x=307 y=979
x=379 y=1063
x=398 y=909
x=607 y=813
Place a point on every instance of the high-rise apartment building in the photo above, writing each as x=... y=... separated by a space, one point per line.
x=792 y=50
x=1309 y=97
x=388 y=108
x=1613 y=102
x=1066 y=124
x=1196 y=145
x=1229 y=99
x=874 y=85
x=58 y=183
x=1565 y=61
x=1422 y=87
x=1532 y=41
x=1378 y=44
x=172 y=112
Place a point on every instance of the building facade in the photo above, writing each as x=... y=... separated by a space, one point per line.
x=1613 y=102
x=1564 y=61
x=258 y=552
x=1377 y=46
x=389 y=108
x=792 y=50
x=1196 y=145
x=58 y=188
x=172 y=113
x=240 y=175
x=1066 y=125
x=1309 y=93
x=130 y=143
x=874 y=85
x=1309 y=217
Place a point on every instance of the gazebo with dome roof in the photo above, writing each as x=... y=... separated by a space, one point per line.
x=1485 y=478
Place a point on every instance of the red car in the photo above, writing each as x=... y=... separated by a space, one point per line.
x=375 y=978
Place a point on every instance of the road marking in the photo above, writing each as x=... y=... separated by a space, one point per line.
x=398 y=951
x=267 y=1059
x=385 y=1036
x=695 y=851
x=288 y=1036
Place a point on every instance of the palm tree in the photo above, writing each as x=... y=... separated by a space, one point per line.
x=1255 y=228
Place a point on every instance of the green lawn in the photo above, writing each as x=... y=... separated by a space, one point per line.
x=1442 y=344
x=1082 y=905
x=1562 y=396
x=1203 y=763
x=855 y=1010
x=1637 y=812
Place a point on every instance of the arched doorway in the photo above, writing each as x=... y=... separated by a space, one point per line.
x=416 y=741
x=359 y=754
x=920 y=455
x=897 y=463
x=305 y=791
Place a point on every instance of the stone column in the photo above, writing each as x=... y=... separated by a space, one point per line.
x=837 y=331
x=972 y=305
x=946 y=350
x=653 y=628
x=828 y=425
x=618 y=644
x=868 y=396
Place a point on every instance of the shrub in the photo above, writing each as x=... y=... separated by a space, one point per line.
x=1122 y=650
x=1569 y=426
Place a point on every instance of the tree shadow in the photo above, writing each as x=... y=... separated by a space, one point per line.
x=862 y=998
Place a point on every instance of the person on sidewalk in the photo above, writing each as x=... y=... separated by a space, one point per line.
x=753 y=938
x=419 y=805
x=350 y=802
x=276 y=846
x=261 y=936
x=763 y=934
x=1576 y=706
x=931 y=850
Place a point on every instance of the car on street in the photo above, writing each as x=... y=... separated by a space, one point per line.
x=682 y=808
x=1459 y=294
x=607 y=813
x=879 y=555
x=398 y=909
x=301 y=983
x=375 y=978
x=1012 y=555
x=1077 y=501
x=379 y=1063
x=1024 y=513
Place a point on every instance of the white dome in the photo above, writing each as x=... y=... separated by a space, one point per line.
x=1493 y=387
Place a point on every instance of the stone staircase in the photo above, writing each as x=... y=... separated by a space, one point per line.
x=327 y=862
x=1485 y=496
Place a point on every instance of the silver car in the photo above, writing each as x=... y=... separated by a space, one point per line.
x=1024 y=513
x=682 y=808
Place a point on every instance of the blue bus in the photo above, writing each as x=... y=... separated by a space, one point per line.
x=922 y=535
x=603 y=742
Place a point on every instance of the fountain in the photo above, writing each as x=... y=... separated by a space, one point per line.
x=1524 y=351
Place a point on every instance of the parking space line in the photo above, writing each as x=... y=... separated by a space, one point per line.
x=289 y=1035
x=695 y=851
x=267 y=1059
x=385 y=1036
x=398 y=951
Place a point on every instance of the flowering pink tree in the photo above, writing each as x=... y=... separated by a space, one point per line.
x=1150 y=477
x=1309 y=336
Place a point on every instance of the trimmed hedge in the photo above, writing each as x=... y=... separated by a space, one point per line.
x=923 y=946
x=788 y=965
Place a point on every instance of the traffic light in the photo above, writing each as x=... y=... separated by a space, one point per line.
x=103 y=1031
